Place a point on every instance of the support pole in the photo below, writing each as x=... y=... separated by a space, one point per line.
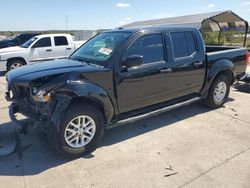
x=245 y=39
x=219 y=37
x=220 y=29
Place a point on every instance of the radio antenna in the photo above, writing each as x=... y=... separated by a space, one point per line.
x=66 y=23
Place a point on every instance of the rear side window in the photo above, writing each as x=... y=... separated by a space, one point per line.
x=191 y=43
x=61 y=41
x=44 y=42
x=183 y=44
x=148 y=46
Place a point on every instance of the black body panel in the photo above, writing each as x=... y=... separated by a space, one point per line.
x=122 y=91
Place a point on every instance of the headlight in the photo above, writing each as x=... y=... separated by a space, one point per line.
x=40 y=95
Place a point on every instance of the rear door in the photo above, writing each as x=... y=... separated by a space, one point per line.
x=41 y=50
x=187 y=62
x=62 y=47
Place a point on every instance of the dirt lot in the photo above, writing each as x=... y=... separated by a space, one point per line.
x=189 y=147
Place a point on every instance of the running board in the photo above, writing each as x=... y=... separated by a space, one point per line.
x=155 y=112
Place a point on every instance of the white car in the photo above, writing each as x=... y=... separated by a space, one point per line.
x=38 y=48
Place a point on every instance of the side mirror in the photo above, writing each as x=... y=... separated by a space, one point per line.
x=133 y=60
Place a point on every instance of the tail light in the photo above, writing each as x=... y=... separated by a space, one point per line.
x=247 y=57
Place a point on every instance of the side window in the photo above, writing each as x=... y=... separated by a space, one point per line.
x=44 y=42
x=183 y=44
x=179 y=44
x=191 y=43
x=148 y=46
x=61 y=41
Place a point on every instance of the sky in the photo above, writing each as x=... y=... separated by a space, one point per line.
x=17 y=15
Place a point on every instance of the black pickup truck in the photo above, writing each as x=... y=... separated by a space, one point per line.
x=16 y=40
x=121 y=76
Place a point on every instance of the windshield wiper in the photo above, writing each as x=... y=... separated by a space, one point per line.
x=89 y=62
x=77 y=59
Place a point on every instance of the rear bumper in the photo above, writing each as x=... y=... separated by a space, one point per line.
x=244 y=77
x=3 y=65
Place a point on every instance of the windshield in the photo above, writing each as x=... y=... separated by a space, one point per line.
x=101 y=48
x=29 y=42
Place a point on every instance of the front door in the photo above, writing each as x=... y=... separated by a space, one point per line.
x=41 y=50
x=142 y=86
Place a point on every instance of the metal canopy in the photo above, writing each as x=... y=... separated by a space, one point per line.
x=207 y=22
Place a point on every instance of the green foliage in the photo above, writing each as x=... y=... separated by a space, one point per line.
x=211 y=38
x=229 y=38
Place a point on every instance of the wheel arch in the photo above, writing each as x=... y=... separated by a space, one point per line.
x=15 y=59
x=86 y=93
x=83 y=100
x=222 y=67
x=226 y=72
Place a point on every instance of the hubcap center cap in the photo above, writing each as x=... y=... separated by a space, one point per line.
x=80 y=131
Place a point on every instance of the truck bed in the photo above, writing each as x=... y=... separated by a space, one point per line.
x=210 y=49
x=234 y=54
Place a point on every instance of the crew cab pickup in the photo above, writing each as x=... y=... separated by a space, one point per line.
x=121 y=76
x=17 y=40
x=38 y=48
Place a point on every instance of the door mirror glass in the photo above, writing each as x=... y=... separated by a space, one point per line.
x=134 y=60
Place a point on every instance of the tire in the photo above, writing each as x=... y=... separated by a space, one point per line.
x=58 y=138
x=14 y=64
x=218 y=92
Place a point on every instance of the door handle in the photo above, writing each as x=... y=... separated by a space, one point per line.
x=48 y=50
x=166 y=70
x=68 y=48
x=198 y=64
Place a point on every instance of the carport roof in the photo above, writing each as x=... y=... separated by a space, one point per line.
x=213 y=21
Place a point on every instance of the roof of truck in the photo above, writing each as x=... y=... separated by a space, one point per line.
x=152 y=28
x=52 y=35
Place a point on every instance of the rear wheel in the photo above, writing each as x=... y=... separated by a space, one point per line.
x=15 y=64
x=218 y=92
x=79 y=133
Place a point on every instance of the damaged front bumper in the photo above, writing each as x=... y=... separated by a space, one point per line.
x=20 y=125
x=50 y=113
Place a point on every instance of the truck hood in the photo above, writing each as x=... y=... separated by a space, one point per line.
x=31 y=72
x=12 y=49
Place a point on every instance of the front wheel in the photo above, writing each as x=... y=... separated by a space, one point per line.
x=14 y=64
x=218 y=92
x=79 y=133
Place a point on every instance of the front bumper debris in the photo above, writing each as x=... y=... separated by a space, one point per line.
x=10 y=140
x=20 y=125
